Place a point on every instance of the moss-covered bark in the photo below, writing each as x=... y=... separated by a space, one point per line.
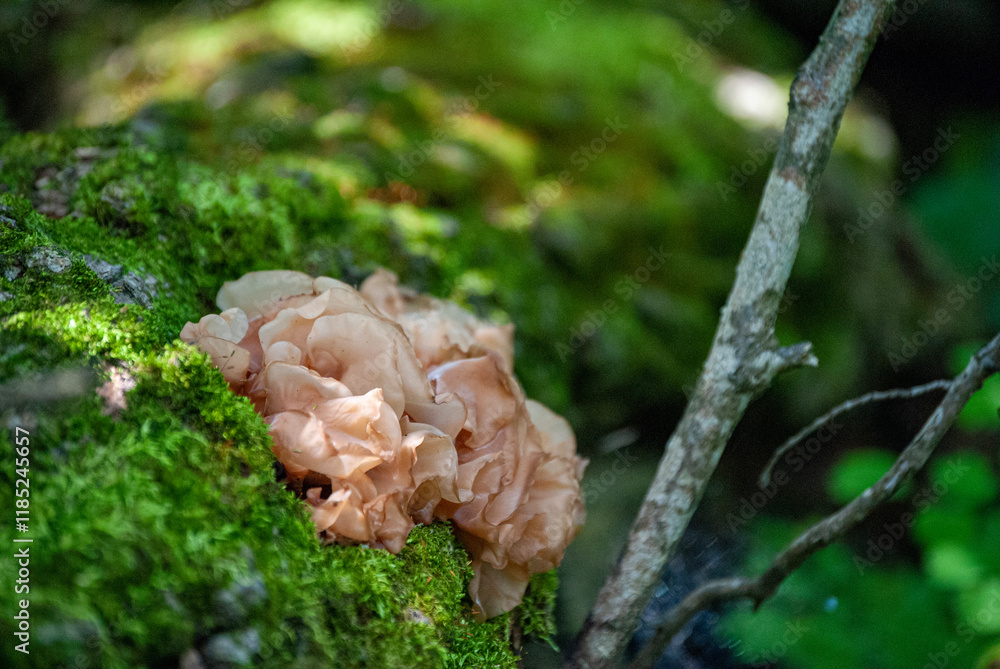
x=160 y=536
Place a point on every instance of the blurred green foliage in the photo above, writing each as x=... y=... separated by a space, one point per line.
x=943 y=605
x=856 y=471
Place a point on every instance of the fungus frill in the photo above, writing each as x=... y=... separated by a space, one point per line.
x=388 y=408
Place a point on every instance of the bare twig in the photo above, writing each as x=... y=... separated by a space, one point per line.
x=983 y=365
x=878 y=396
x=745 y=355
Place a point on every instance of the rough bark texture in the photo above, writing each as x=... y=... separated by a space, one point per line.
x=745 y=355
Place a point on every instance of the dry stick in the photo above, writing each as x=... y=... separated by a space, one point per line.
x=878 y=396
x=745 y=355
x=983 y=365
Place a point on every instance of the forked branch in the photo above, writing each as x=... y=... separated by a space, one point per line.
x=983 y=365
x=745 y=355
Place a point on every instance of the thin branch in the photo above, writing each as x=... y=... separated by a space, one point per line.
x=877 y=396
x=983 y=365
x=745 y=356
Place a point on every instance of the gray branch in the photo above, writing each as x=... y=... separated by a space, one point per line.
x=745 y=355
x=878 y=396
x=983 y=365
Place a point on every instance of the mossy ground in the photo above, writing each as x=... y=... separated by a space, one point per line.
x=159 y=530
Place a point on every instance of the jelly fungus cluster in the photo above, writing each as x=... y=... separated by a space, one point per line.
x=389 y=408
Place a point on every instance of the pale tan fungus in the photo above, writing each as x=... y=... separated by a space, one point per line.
x=387 y=408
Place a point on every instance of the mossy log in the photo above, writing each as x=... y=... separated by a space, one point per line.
x=160 y=536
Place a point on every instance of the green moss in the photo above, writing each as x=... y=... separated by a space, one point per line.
x=536 y=610
x=155 y=214
x=162 y=529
